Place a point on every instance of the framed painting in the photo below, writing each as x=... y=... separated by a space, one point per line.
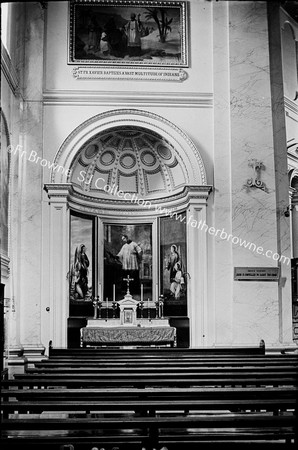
x=128 y=33
x=81 y=260
x=127 y=252
x=173 y=258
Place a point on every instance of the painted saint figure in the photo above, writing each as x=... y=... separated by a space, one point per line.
x=130 y=256
x=178 y=281
x=79 y=272
x=134 y=30
x=173 y=259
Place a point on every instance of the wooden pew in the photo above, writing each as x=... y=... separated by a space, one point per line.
x=157 y=398
x=154 y=393
x=155 y=431
x=161 y=369
x=73 y=381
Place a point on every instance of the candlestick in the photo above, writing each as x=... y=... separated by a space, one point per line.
x=161 y=303
x=141 y=292
x=148 y=310
x=156 y=291
x=95 y=305
x=99 y=307
x=157 y=308
x=114 y=309
x=114 y=294
x=99 y=290
x=141 y=306
x=107 y=307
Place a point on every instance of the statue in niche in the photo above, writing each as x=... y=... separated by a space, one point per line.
x=79 y=273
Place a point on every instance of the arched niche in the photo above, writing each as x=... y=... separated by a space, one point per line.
x=289 y=60
x=185 y=150
x=142 y=154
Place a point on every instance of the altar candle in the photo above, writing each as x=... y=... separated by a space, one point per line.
x=99 y=291
x=114 y=295
x=141 y=292
x=148 y=302
x=156 y=292
x=107 y=302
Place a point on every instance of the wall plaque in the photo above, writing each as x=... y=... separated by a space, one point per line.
x=100 y=73
x=256 y=273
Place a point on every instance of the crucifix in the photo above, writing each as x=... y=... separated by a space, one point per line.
x=128 y=280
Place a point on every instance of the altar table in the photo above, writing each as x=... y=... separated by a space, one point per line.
x=128 y=336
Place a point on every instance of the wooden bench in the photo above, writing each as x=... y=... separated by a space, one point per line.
x=158 y=368
x=154 y=393
x=147 y=400
x=165 y=429
x=182 y=380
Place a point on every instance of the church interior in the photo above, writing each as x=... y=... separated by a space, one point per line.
x=149 y=224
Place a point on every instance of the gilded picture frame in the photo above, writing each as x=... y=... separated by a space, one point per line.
x=128 y=33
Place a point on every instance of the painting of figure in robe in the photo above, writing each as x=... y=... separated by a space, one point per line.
x=80 y=272
x=173 y=262
x=127 y=253
x=128 y=33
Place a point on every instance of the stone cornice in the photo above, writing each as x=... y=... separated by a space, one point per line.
x=115 y=207
x=77 y=97
x=153 y=207
x=57 y=191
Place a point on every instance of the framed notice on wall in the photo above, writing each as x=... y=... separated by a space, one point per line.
x=129 y=33
x=256 y=273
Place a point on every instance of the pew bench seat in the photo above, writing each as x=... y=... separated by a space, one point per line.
x=151 y=406
x=166 y=428
x=155 y=393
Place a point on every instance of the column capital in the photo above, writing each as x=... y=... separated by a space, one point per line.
x=58 y=192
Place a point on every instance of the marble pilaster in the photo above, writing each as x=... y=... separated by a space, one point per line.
x=57 y=299
x=31 y=71
x=260 y=309
x=199 y=310
x=222 y=264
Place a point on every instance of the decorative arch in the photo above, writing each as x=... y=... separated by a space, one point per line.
x=183 y=147
x=5 y=165
x=88 y=146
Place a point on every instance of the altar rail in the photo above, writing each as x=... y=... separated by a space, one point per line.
x=169 y=353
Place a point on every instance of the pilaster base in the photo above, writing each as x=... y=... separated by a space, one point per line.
x=33 y=353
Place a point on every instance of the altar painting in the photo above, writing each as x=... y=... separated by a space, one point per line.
x=81 y=259
x=174 y=275
x=127 y=255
